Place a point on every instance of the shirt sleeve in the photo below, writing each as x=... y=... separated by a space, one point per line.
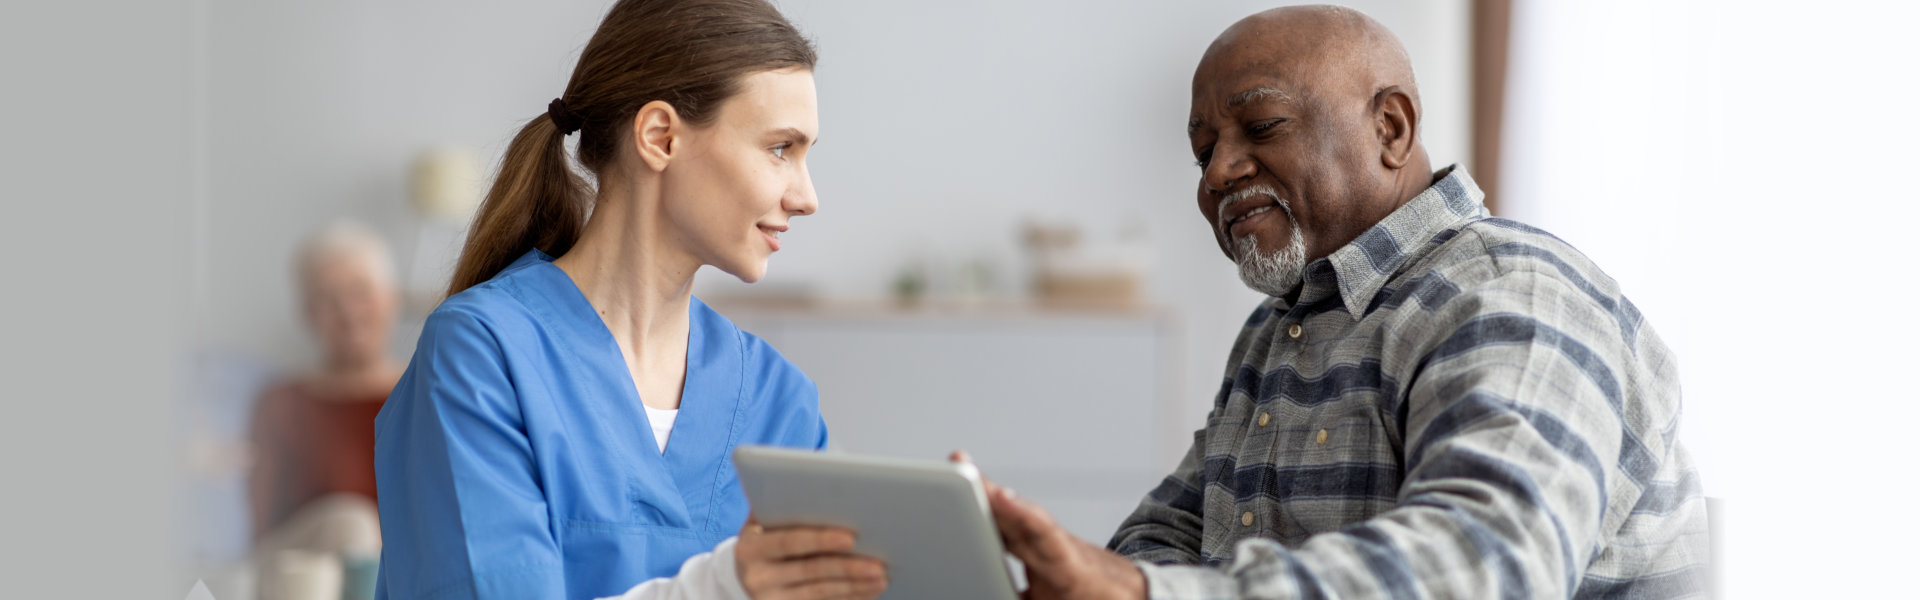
x=462 y=510
x=705 y=576
x=1517 y=453
x=1165 y=528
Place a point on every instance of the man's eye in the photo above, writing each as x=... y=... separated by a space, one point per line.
x=1202 y=160
x=1264 y=126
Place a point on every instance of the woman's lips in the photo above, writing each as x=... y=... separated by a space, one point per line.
x=773 y=238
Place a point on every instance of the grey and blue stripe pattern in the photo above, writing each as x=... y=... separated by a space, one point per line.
x=1469 y=409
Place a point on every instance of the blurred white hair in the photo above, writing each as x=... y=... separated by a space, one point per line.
x=351 y=240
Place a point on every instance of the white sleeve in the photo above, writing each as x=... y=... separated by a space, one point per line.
x=705 y=576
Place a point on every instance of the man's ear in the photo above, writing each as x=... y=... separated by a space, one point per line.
x=1396 y=118
x=655 y=130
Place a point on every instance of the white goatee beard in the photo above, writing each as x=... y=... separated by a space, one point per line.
x=1276 y=273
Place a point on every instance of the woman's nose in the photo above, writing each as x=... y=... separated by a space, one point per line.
x=801 y=200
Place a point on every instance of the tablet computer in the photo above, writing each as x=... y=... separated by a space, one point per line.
x=927 y=519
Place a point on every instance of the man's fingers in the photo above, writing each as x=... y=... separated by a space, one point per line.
x=1033 y=537
x=961 y=456
x=992 y=488
x=1022 y=524
x=1006 y=516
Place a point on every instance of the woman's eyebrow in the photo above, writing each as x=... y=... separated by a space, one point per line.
x=795 y=134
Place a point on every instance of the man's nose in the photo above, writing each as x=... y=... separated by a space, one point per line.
x=1228 y=167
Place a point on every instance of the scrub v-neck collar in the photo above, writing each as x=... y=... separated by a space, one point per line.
x=702 y=433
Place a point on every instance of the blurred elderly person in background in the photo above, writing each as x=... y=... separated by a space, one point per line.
x=1431 y=403
x=313 y=483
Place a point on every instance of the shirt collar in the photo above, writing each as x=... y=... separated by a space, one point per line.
x=1359 y=269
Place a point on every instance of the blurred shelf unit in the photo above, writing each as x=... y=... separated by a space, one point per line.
x=1070 y=406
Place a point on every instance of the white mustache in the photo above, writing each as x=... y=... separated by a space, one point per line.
x=1244 y=194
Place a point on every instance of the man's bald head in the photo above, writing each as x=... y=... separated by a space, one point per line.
x=1313 y=110
x=1338 y=49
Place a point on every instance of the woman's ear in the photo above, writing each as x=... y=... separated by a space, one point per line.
x=655 y=129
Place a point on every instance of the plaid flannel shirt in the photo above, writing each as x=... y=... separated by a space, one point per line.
x=1456 y=406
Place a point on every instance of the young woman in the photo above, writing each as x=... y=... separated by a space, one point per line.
x=565 y=426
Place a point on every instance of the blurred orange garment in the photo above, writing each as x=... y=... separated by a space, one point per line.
x=309 y=443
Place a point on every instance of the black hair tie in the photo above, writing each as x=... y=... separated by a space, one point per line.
x=566 y=120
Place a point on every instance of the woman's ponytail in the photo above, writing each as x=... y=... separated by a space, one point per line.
x=537 y=201
x=689 y=53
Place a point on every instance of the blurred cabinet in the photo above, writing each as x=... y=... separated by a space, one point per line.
x=1067 y=408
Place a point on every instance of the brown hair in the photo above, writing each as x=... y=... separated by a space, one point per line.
x=688 y=53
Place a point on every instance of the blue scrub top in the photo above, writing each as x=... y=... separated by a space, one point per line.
x=514 y=458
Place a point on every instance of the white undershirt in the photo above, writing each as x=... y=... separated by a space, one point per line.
x=662 y=421
x=705 y=576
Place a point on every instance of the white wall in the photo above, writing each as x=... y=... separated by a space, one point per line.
x=316 y=110
x=1740 y=168
x=93 y=314
x=943 y=126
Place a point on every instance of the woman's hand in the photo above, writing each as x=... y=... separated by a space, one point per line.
x=805 y=563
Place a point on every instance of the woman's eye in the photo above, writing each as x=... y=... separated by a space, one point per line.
x=779 y=151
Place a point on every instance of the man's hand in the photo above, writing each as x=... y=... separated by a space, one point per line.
x=805 y=563
x=1059 y=565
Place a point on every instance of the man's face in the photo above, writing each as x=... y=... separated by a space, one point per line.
x=1284 y=148
x=349 y=307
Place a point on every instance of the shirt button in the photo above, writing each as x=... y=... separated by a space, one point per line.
x=1322 y=438
x=1293 y=331
x=1246 y=518
x=1264 y=417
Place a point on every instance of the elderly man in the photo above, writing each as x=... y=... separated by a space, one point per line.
x=312 y=483
x=1432 y=403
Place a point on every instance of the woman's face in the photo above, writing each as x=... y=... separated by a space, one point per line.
x=745 y=174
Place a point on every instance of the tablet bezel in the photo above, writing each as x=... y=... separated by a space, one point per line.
x=768 y=474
